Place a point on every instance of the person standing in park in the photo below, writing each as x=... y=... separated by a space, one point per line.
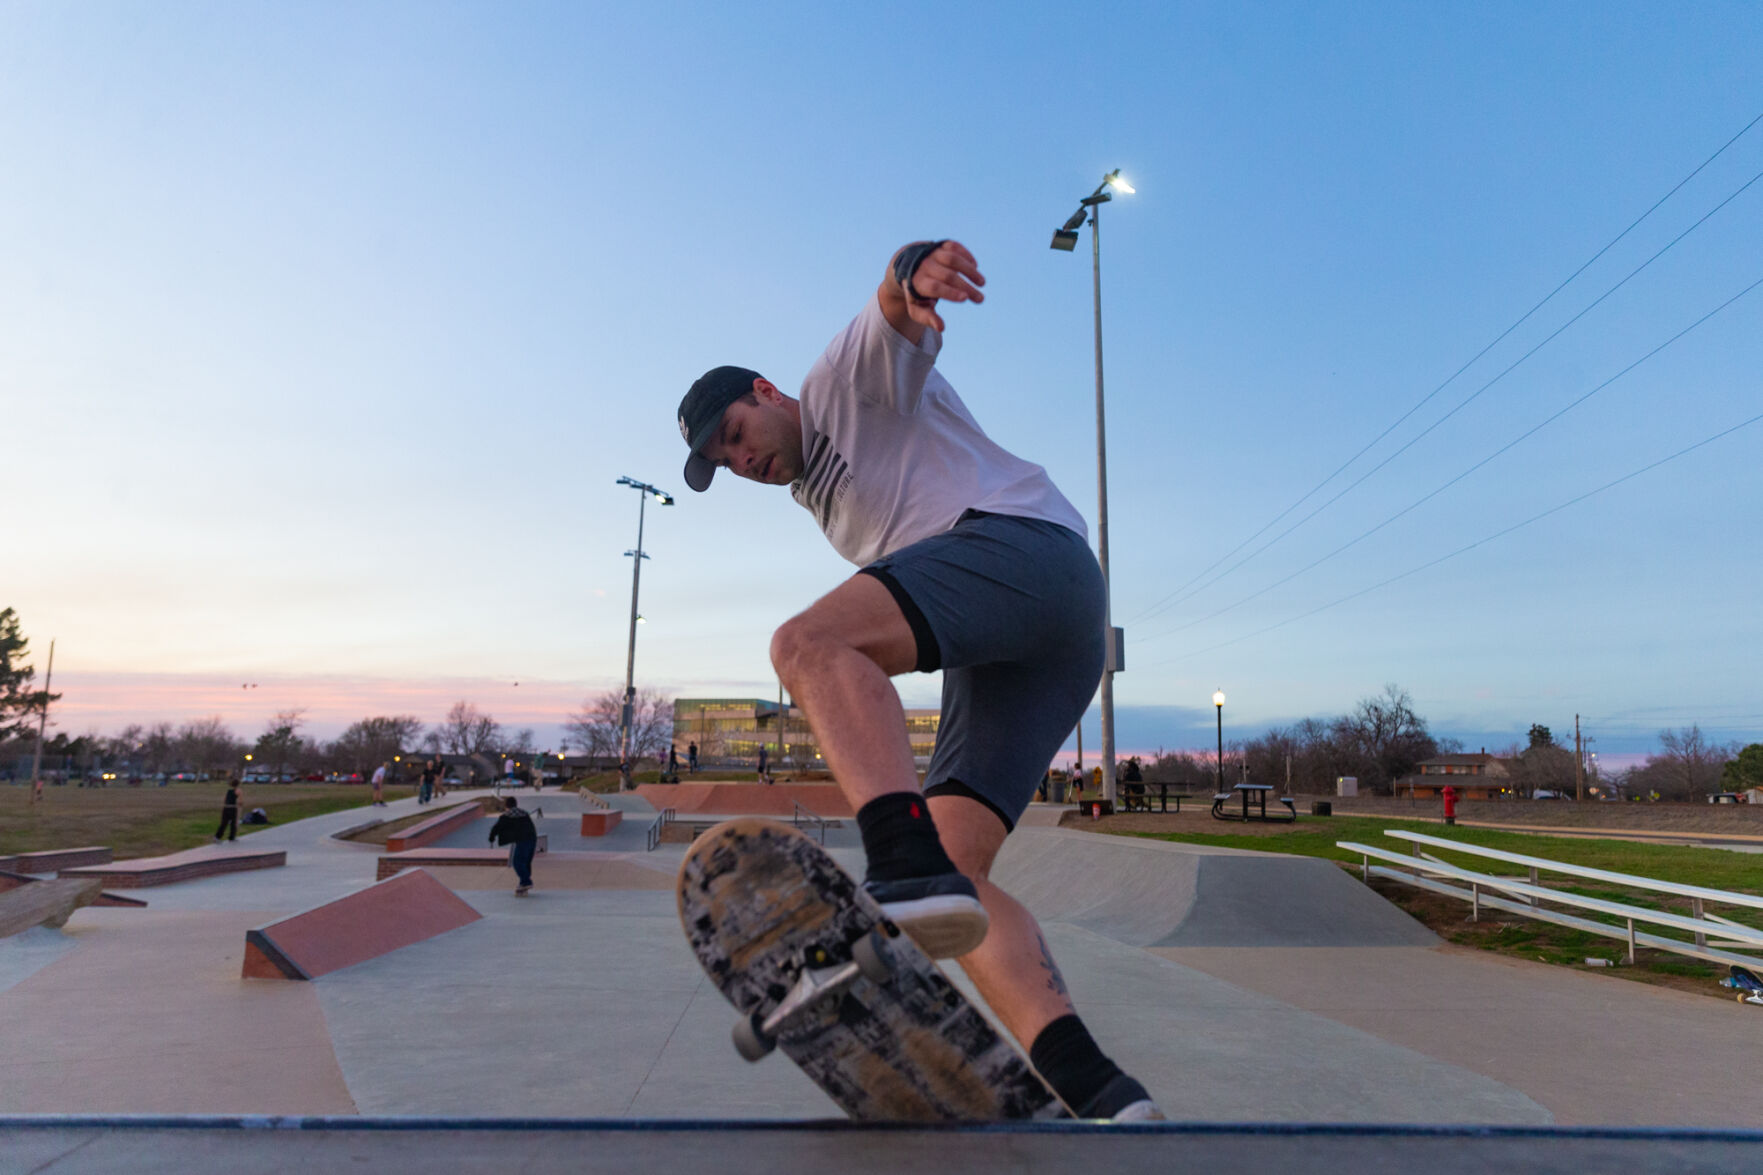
x=970 y=561
x=764 y=757
x=515 y=828
x=426 y=788
x=379 y=785
x=692 y=758
x=229 y=812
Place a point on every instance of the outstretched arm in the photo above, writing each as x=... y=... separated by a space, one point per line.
x=909 y=300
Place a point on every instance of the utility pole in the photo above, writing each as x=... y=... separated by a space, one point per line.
x=1579 y=745
x=42 y=721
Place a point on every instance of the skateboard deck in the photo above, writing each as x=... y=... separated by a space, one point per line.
x=811 y=965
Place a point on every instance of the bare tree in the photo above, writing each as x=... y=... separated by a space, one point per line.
x=206 y=744
x=593 y=730
x=280 y=742
x=467 y=731
x=159 y=748
x=1385 y=736
x=524 y=741
x=372 y=741
x=1688 y=765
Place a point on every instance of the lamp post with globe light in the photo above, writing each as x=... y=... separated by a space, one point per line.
x=1218 y=703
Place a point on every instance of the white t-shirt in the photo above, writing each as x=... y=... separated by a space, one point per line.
x=379 y=775
x=891 y=454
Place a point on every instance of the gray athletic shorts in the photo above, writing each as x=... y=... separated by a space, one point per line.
x=1010 y=609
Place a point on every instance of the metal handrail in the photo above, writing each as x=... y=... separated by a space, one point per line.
x=655 y=826
x=801 y=813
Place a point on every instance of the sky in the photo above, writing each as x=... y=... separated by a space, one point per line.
x=330 y=328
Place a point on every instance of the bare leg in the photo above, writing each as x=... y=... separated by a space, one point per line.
x=1013 y=968
x=835 y=659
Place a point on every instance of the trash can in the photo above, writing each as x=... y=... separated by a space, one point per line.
x=1321 y=808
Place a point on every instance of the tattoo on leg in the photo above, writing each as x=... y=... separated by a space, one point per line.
x=1055 y=981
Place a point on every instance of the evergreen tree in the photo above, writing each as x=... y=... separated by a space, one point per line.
x=19 y=703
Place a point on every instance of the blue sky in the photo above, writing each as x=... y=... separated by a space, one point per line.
x=330 y=329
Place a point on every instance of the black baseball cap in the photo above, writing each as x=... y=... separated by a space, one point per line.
x=700 y=415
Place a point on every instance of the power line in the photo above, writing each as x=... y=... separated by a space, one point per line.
x=1172 y=598
x=1417 y=503
x=1169 y=602
x=1463 y=550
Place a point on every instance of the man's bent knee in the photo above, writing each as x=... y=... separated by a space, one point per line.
x=971 y=833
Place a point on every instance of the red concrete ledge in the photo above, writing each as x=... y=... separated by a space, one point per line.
x=392 y=863
x=56 y=859
x=10 y=881
x=410 y=908
x=600 y=822
x=142 y=872
x=434 y=828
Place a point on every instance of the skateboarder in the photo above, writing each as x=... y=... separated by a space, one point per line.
x=229 y=812
x=515 y=829
x=970 y=561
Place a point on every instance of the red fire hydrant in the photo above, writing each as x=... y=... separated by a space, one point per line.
x=1449 y=794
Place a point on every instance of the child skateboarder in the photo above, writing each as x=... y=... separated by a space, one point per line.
x=970 y=561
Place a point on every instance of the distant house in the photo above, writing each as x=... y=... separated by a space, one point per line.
x=1476 y=777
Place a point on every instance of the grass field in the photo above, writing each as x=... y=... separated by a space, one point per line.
x=149 y=821
x=1510 y=933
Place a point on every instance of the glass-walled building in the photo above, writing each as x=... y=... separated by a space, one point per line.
x=730 y=731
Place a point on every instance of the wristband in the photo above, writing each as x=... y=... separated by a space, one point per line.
x=906 y=263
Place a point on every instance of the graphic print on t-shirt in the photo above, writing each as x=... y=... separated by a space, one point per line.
x=823 y=480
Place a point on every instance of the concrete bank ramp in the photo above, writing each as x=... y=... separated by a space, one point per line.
x=1156 y=894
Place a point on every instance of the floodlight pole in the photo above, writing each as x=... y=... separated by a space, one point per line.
x=637 y=556
x=1064 y=240
x=1108 y=788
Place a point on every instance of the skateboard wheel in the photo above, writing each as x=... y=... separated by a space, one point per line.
x=866 y=952
x=750 y=1038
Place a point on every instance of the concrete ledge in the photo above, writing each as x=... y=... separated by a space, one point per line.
x=600 y=822
x=392 y=863
x=409 y=908
x=435 y=828
x=56 y=859
x=87 y=1145
x=141 y=872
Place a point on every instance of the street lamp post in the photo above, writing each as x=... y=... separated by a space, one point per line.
x=630 y=661
x=1065 y=240
x=1218 y=703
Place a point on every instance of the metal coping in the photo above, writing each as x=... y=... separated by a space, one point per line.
x=386 y=1123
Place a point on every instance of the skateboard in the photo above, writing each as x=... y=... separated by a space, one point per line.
x=815 y=969
x=1749 y=987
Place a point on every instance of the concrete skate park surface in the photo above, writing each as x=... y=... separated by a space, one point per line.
x=1241 y=987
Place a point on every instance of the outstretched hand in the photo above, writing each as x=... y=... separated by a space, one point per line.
x=948 y=273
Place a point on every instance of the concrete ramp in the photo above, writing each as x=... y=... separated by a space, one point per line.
x=405 y=909
x=1158 y=894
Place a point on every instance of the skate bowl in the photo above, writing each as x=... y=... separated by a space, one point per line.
x=746 y=799
x=409 y=908
x=1149 y=893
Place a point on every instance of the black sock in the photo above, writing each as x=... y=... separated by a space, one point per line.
x=1067 y=1056
x=900 y=839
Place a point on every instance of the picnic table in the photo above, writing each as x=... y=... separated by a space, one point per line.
x=1257 y=792
x=1136 y=797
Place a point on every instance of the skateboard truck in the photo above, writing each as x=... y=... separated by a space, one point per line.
x=822 y=978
